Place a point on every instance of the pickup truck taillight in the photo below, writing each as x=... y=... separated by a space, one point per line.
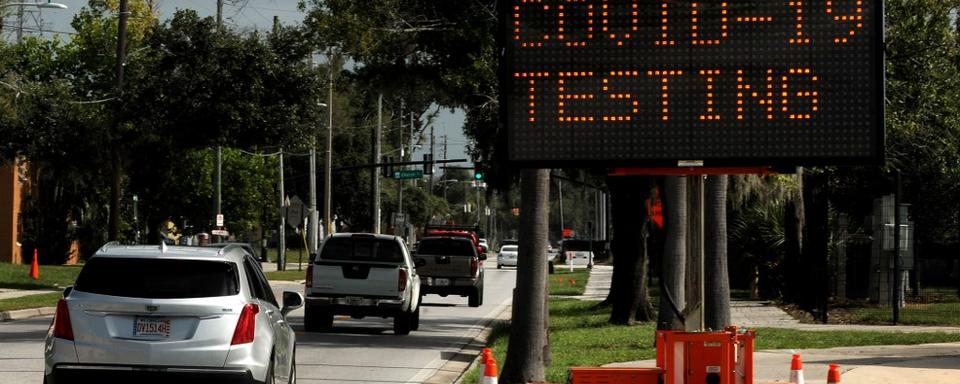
x=309 y=282
x=402 y=281
x=474 y=266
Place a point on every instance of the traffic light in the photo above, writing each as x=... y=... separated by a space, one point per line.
x=386 y=168
x=477 y=171
x=427 y=164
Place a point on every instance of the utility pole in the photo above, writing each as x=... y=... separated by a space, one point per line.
x=432 y=157
x=19 y=24
x=375 y=174
x=328 y=167
x=399 y=231
x=218 y=157
x=313 y=221
x=114 y=220
x=281 y=234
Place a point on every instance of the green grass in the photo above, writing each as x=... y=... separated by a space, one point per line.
x=291 y=274
x=32 y=301
x=559 y=283
x=912 y=314
x=293 y=255
x=16 y=276
x=581 y=337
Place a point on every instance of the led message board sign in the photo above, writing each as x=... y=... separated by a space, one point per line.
x=731 y=83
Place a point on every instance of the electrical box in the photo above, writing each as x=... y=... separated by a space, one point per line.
x=706 y=357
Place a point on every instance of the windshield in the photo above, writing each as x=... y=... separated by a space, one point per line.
x=361 y=249
x=508 y=248
x=158 y=279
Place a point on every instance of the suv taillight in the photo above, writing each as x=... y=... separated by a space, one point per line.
x=402 y=281
x=246 y=325
x=474 y=266
x=309 y=282
x=61 y=322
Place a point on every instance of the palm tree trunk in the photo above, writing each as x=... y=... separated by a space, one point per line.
x=673 y=265
x=717 y=302
x=528 y=348
x=628 y=295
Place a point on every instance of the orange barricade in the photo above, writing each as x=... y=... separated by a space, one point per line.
x=685 y=358
x=614 y=375
x=706 y=357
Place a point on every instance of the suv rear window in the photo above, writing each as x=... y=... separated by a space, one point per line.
x=447 y=247
x=158 y=279
x=361 y=249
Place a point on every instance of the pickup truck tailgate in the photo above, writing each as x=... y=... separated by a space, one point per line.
x=356 y=278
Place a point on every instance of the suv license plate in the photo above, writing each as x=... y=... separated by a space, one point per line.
x=441 y=282
x=151 y=327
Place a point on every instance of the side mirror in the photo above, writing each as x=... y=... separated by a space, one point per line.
x=66 y=291
x=482 y=256
x=419 y=262
x=291 y=301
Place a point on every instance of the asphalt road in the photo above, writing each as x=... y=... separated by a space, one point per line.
x=356 y=351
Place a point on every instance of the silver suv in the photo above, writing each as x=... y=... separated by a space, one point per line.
x=171 y=314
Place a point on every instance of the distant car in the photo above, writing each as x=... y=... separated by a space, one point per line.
x=507 y=256
x=171 y=314
x=246 y=247
x=362 y=274
x=483 y=244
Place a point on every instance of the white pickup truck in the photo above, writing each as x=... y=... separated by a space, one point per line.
x=359 y=275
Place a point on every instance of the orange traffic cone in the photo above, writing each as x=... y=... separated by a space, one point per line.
x=489 y=372
x=796 y=370
x=35 y=267
x=833 y=375
x=485 y=357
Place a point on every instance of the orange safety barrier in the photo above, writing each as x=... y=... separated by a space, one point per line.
x=706 y=357
x=685 y=358
x=614 y=375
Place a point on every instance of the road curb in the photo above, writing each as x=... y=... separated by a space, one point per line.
x=22 y=314
x=457 y=366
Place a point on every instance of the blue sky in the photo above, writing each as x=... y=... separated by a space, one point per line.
x=241 y=14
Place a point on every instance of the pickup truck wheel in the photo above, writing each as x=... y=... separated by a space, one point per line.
x=316 y=320
x=476 y=297
x=401 y=323
x=415 y=319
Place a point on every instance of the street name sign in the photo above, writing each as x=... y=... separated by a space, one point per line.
x=717 y=83
x=408 y=174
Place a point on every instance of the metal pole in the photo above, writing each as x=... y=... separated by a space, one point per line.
x=897 y=261
x=281 y=234
x=328 y=167
x=312 y=222
x=433 y=157
x=378 y=131
x=560 y=188
x=216 y=185
x=220 y=12
x=477 y=182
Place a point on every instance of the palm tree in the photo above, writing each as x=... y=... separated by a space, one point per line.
x=673 y=265
x=528 y=348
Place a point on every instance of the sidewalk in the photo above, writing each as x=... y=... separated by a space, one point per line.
x=20 y=314
x=890 y=364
